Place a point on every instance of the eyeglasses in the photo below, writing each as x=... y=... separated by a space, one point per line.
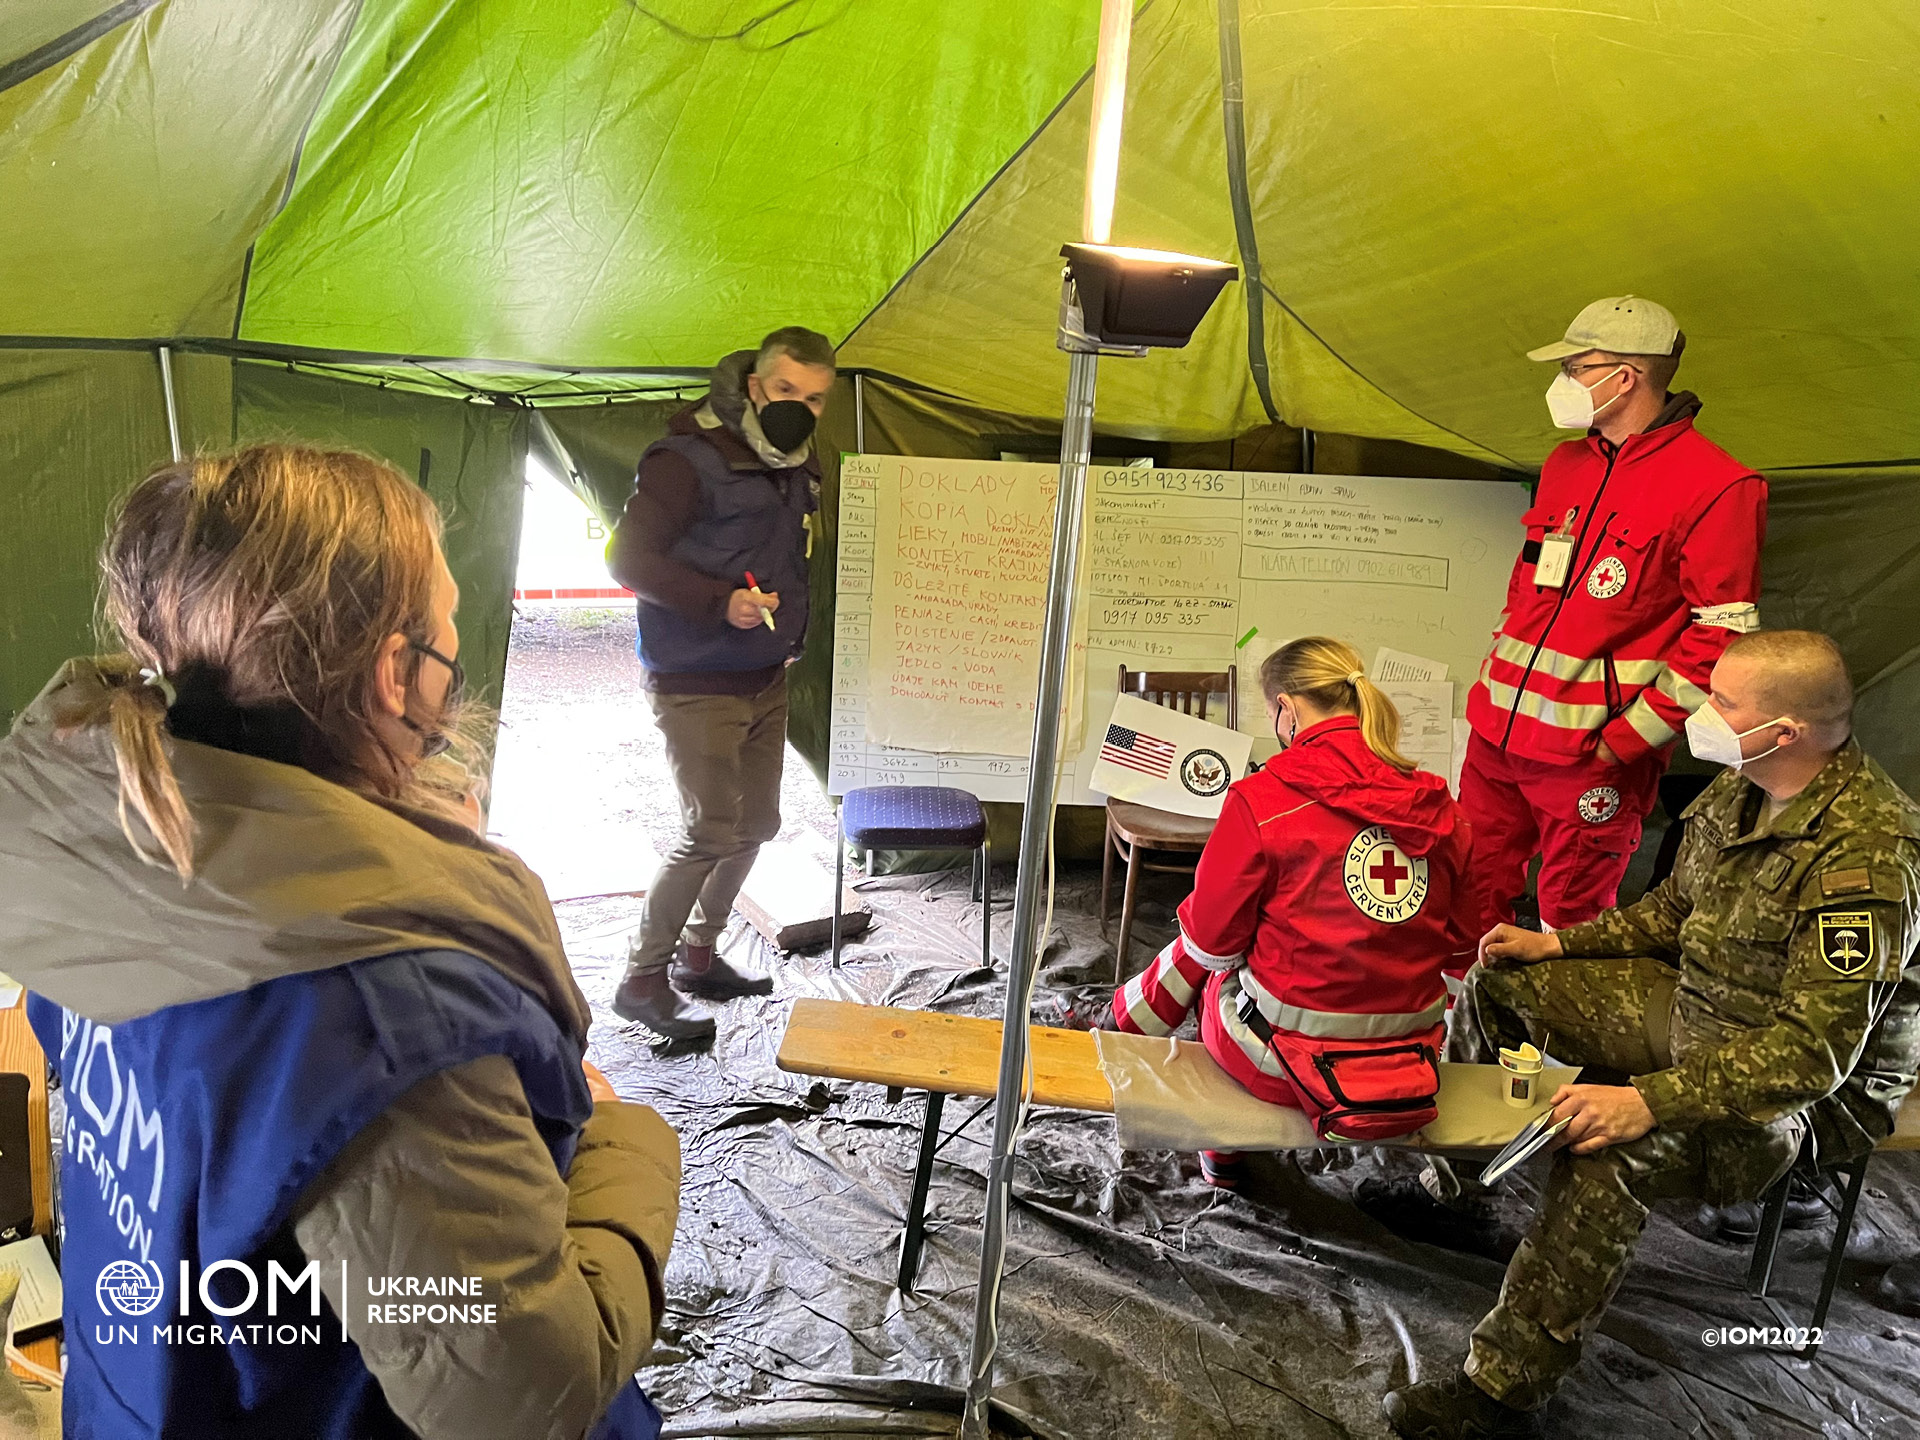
x=1571 y=371
x=457 y=685
x=436 y=741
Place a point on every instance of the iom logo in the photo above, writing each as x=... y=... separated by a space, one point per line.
x=126 y=1286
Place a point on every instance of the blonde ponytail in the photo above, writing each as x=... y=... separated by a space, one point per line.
x=137 y=712
x=1329 y=674
x=1380 y=724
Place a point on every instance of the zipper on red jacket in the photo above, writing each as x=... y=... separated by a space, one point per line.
x=1612 y=453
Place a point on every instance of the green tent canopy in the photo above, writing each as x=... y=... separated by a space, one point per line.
x=403 y=223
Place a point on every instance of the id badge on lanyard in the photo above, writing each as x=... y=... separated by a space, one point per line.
x=1556 y=556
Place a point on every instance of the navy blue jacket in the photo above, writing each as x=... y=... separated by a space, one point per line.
x=191 y=1134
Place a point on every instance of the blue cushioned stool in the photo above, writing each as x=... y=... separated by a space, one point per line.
x=917 y=817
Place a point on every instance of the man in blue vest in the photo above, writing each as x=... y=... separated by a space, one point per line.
x=714 y=544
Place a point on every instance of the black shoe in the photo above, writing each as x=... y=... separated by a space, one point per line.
x=1740 y=1224
x=1899 y=1288
x=1223 y=1169
x=716 y=980
x=1456 y=1409
x=646 y=996
x=1408 y=1208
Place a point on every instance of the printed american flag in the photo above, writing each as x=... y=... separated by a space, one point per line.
x=1139 y=752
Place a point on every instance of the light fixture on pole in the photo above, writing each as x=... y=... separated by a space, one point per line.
x=1114 y=300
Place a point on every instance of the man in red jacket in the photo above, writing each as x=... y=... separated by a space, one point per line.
x=1641 y=561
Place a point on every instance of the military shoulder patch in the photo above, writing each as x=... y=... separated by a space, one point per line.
x=1846 y=940
x=1845 y=882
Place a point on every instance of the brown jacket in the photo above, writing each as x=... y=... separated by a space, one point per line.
x=296 y=874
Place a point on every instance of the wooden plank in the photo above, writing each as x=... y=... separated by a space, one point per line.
x=20 y=1053
x=921 y=1050
x=788 y=898
x=960 y=1055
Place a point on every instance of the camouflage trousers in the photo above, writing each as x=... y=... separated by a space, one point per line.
x=1612 y=1014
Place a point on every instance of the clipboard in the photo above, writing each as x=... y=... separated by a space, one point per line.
x=1524 y=1146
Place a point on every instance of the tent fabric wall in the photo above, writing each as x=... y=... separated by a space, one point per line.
x=652 y=185
x=474 y=461
x=1437 y=189
x=605 y=443
x=1843 y=556
x=116 y=224
x=77 y=427
x=1433 y=189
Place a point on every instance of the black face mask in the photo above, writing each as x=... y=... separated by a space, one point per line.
x=786 y=424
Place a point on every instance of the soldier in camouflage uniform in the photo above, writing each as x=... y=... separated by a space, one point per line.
x=1758 y=999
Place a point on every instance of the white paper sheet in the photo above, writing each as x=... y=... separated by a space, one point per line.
x=1390 y=666
x=38 y=1304
x=1426 y=722
x=1461 y=731
x=1155 y=756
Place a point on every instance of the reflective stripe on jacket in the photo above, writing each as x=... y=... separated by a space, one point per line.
x=1330 y=883
x=1666 y=570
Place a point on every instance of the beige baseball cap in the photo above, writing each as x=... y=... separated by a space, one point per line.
x=1621 y=324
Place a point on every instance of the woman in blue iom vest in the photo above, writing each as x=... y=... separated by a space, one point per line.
x=334 y=1165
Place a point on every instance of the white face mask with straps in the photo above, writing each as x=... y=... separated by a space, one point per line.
x=1571 y=404
x=1713 y=740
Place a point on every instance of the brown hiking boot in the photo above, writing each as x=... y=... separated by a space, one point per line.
x=647 y=997
x=698 y=971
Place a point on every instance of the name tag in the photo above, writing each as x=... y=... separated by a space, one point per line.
x=1556 y=558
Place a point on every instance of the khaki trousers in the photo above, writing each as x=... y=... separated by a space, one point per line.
x=726 y=753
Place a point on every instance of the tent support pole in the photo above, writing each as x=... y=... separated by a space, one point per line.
x=1233 y=112
x=1306 y=452
x=166 y=389
x=1076 y=445
x=860 y=413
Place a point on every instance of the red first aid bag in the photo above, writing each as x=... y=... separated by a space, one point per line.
x=1359 y=1089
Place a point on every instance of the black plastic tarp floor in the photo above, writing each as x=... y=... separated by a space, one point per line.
x=1138 y=1302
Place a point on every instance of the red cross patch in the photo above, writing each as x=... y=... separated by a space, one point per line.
x=1383 y=881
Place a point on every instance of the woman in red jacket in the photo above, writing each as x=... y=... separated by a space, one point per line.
x=1321 y=915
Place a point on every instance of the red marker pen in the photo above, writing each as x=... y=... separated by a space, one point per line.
x=765 y=613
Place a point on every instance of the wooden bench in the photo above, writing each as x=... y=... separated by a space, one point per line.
x=942 y=1055
x=960 y=1055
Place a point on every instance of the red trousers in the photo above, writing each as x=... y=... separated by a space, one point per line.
x=1583 y=820
x=1159 y=998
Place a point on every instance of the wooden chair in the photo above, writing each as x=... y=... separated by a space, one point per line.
x=1132 y=828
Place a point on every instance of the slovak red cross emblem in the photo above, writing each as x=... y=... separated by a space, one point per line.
x=1383 y=881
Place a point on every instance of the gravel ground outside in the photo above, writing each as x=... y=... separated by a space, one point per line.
x=578 y=749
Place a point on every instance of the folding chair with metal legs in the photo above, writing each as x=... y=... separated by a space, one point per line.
x=1766 y=1247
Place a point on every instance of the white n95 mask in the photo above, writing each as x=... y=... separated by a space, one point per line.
x=1571 y=404
x=1713 y=740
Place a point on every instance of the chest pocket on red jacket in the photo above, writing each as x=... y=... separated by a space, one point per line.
x=1626 y=551
x=1540 y=520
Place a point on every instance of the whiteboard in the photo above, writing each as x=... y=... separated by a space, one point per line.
x=1181 y=569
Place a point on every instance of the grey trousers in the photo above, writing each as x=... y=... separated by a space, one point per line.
x=726 y=753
